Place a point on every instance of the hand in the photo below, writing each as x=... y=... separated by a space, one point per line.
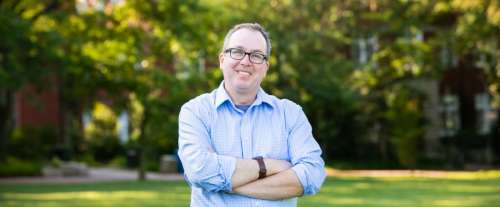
x=275 y=166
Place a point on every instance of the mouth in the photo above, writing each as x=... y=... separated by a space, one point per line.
x=245 y=73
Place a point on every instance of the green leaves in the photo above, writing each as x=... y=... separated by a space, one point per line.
x=337 y=59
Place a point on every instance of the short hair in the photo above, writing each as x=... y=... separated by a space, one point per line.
x=250 y=26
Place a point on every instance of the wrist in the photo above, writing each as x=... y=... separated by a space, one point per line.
x=262 y=167
x=276 y=166
x=270 y=169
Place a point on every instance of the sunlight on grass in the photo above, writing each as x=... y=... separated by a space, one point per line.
x=342 y=201
x=356 y=201
x=467 y=201
x=406 y=191
x=472 y=189
x=415 y=174
x=336 y=191
x=494 y=174
x=91 y=195
x=361 y=185
x=95 y=198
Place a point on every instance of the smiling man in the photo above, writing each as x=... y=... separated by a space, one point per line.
x=240 y=146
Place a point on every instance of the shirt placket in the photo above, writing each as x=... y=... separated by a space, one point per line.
x=246 y=135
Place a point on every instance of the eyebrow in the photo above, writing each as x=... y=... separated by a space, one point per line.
x=256 y=50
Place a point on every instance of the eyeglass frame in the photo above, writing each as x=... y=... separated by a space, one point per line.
x=228 y=50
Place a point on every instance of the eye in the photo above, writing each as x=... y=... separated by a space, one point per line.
x=258 y=56
x=237 y=52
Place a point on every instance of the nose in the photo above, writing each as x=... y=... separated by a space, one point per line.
x=246 y=60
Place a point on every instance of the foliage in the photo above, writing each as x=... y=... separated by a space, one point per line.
x=148 y=58
x=15 y=167
x=33 y=143
x=405 y=125
x=101 y=134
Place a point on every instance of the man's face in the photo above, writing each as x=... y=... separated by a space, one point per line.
x=243 y=76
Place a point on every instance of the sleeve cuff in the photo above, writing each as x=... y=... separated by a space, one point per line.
x=228 y=165
x=300 y=171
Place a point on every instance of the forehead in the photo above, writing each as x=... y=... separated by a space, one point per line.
x=248 y=39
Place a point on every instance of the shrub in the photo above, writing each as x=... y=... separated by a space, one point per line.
x=119 y=162
x=17 y=167
x=101 y=134
x=32 y=143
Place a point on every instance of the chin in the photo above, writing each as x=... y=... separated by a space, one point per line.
x=243 y=87
x=242 y=84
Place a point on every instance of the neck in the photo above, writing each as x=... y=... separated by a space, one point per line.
x=241 y=97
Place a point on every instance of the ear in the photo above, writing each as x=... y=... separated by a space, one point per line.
x=221 y=59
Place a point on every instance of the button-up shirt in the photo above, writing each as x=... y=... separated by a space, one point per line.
x=213 y=133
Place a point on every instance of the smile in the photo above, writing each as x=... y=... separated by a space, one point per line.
x=244 y=72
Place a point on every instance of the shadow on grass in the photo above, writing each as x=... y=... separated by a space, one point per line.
x=406 y=192
x=351 y=191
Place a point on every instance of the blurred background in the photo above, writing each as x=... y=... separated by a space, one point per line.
x=386 y=84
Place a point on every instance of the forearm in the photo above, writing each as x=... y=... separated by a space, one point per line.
x=283 y=185
x=248 y=170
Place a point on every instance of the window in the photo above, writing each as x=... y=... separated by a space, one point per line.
x=485 y=116
x=451 y=114
x=448 y=57
x=122 y=126
x=365 y=47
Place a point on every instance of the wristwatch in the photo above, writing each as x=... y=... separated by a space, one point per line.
x=262 y=166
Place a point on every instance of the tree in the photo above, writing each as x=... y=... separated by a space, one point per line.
x=28 y=53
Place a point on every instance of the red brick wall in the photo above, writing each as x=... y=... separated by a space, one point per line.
x=36 y=108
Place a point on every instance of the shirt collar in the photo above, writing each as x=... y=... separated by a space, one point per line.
x=222 y=96
x=263 y=98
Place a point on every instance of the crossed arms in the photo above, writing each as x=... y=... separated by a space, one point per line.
x=303 y=174
x=281 y=182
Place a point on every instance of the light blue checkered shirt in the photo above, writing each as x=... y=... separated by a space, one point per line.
x=213 y=133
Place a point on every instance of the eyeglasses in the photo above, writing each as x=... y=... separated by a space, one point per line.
x=239 y=54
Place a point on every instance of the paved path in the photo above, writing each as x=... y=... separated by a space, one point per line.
x=95 y=175
x=415 y=173
x=112 y=174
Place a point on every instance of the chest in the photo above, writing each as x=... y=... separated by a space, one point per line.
x=259 y=132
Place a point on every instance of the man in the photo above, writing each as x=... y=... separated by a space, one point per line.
x=240 y=146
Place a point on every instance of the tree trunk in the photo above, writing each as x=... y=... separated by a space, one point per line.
x=6 y=120
x=383 y=148
x=64 y=137
x=142 y=147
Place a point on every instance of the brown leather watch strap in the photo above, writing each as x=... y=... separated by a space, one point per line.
x=262 y=166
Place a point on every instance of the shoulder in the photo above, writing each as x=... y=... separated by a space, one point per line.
x=290 y=110
x=284 y=104
x=199 y=105
x=290 y=105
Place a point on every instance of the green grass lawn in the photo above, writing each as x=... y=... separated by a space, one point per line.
x=355 y=191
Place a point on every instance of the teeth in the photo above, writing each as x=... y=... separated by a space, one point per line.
x=244 y=72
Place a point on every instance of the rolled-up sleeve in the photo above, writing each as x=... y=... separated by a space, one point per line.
x=203 y=168
x=305 y=153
